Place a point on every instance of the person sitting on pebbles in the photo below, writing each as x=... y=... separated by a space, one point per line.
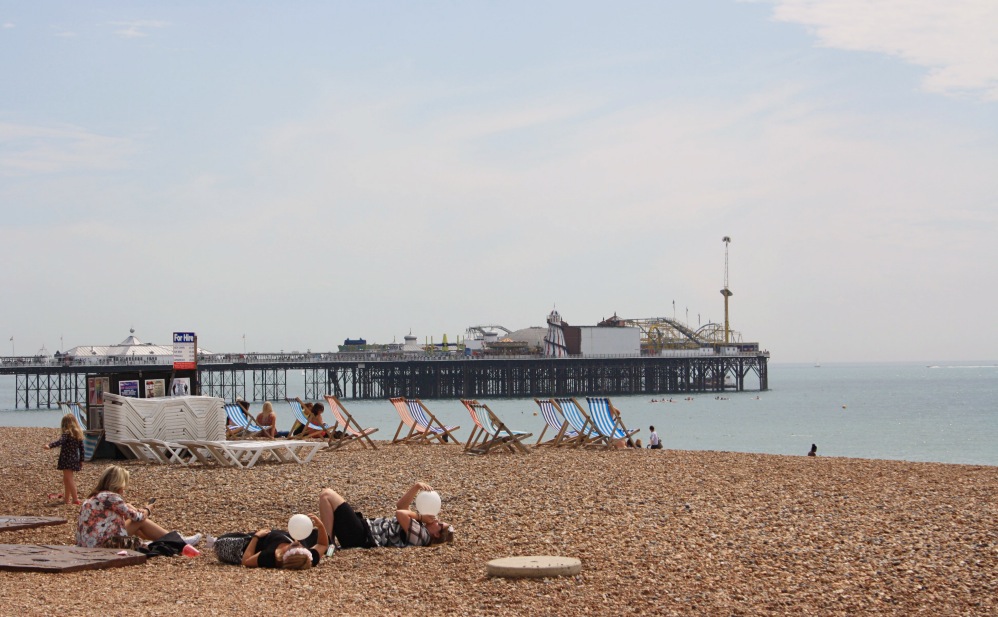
x=406 y=528
x=106 y=520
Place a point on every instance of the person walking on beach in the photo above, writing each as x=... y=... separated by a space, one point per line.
x=70 y=445
x=653 y=441
x=406 y=528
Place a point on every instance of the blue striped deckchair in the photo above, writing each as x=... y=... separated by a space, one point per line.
x=423 y=427
x=607 y=420
x=491 y=432
x=303 y=420
x=554 y=419
x=91 y=439
x=579 y=420
x=416 y=434
x=241 y=424
x=425 y=417
x=352 y=431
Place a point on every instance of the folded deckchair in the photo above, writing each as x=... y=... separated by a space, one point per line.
x=167 y=452
x=351 y=431
x=490 y=432
x=91 y=439
x=138 y=449
x=554 y=419
x=579 y=420
x=423 y=426
x=607 y=421
x=303 y=419
x=241 y=425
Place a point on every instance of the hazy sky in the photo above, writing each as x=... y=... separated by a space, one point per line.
x=304 y=172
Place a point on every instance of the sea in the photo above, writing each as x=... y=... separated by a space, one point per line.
x=943 y=412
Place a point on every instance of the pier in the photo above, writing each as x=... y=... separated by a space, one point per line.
x=42 y=382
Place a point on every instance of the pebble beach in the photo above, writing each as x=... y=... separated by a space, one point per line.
x=667 y=532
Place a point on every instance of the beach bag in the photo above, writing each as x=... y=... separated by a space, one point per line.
x=229 y=547
x=131 y=543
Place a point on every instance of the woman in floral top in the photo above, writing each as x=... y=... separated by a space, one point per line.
x=105 y=514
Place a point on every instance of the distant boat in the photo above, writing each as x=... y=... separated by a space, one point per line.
x=817 y=365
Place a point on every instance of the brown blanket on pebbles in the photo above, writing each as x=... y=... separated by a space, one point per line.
x=658 y=532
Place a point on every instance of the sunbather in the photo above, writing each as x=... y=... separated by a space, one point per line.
x=275 y=548
x=406 y=528
x=267 y=420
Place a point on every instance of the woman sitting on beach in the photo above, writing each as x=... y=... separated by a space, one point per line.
x=267 y=420
x=106 y=520
x=275 y=548
x=406 y=528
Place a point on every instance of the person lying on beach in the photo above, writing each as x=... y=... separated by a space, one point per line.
x=406 y=528
x=275 y=548
x=106 y=520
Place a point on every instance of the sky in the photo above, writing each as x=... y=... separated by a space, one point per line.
x=285 y=175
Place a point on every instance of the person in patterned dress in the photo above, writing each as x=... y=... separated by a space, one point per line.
x=70 y=445
x=105 y=515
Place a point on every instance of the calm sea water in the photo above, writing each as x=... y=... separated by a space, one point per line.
x=945 y=413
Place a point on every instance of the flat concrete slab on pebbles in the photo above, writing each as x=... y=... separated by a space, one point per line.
x=537 y=566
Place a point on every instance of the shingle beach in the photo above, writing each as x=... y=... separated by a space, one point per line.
x=658 y=532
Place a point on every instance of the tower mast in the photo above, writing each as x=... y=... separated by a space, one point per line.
x=726 y=292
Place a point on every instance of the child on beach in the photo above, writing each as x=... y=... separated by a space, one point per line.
x=70 y=445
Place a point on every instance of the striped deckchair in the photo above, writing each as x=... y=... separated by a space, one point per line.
x=91 y=439
x=608 y=422
x=303 y=419
x=351 y=430
x=579 y=420
x=241 y=424
x=423 y=426
x=554 y=419
x=491 y=432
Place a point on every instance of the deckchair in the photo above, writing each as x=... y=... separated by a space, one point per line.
x=91 y=439
x=579 y=420
x=351 y=431
x=554 y=419
x=423 y=427
x=303 y=418
x=241 y=425
x=491 y=432
x=607 y=421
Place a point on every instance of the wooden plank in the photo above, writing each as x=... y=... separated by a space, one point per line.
x=50 y=558
x=10 y=523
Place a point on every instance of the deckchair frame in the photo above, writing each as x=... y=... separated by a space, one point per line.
x=423 y=425
x=554 y=419
x=352 y=431
x=580 y=421
x=491 y=432
x=607 y=421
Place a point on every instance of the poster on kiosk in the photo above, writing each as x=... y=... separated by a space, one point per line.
x=185 y=351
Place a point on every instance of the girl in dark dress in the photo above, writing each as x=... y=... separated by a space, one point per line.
x=70 y=445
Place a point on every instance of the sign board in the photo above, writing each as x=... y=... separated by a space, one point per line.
x=185 y=350
x=129 y=387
